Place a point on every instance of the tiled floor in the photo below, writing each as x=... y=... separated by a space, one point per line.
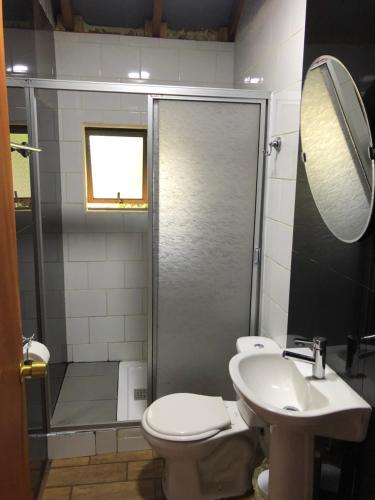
x=88 y=394
x=117 y=476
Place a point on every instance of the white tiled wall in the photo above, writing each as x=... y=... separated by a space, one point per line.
x=105 y=266
x=269 y=51
x=89 y=443
x=90 y=56
x=31 y=48
x=104 y=252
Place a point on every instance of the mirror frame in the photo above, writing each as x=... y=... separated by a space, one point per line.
x=327 y=60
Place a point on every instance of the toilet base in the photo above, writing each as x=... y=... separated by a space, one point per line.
x=225 y=473
x=218 y=467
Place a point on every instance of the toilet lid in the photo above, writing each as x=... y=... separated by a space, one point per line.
x=184 y=415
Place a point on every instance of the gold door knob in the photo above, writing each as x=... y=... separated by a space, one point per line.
x=33 y=369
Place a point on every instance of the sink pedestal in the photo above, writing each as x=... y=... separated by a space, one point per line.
x=291 y=464
x=282 y=393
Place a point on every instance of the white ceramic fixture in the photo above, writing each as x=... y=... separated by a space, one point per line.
x=283 y=393
x=209 y=449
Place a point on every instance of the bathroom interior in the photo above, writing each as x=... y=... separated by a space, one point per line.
x=193 y=191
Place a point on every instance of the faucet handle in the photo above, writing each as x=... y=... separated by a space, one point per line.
x=320 y=343
x=317 y=342
x=302 y=342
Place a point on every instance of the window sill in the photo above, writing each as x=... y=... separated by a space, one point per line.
x=116 y=206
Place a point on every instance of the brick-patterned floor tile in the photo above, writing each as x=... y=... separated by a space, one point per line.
x=126 y=456
x=89 y=474
x=70 y=462
x=57 y=493
x=147 y=469
x=130 y=490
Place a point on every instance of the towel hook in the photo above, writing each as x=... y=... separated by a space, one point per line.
x=274 y=144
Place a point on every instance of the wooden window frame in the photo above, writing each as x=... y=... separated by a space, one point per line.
x=21 y=129
x=119 y=132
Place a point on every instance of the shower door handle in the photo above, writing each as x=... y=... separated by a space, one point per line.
x=24 y=149
x=257 y=255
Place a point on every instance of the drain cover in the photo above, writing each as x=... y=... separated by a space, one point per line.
x=290 y=408
x=140 y=394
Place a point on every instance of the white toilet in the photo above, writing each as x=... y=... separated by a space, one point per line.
x=208 y=444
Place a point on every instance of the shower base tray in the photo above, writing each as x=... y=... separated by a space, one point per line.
x=132 y=390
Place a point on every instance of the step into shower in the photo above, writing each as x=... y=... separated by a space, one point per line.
x=132 y=390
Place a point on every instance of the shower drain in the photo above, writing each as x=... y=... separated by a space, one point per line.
x=290 y=408
x=140 y=394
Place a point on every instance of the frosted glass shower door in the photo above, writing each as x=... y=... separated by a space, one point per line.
x=205 y=183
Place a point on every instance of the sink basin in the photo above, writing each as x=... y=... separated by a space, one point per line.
x=283 y=393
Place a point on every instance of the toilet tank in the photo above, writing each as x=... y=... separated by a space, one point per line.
x=249 y=343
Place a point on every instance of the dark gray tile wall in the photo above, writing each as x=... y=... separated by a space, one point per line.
x=332 y=283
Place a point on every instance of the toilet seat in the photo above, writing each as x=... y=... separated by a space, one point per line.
x=186 y=417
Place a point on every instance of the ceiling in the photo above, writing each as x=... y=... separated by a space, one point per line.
x=187 y=19
x=178 y=14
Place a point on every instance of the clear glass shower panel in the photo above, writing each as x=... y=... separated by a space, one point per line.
x=204 y=201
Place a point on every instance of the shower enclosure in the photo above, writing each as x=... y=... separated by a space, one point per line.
x=150 y=301
x=206 y=166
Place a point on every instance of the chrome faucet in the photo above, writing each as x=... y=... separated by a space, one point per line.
x=353 y=352
x=318 y=358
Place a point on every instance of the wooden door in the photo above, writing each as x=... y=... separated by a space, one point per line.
x=15 y=481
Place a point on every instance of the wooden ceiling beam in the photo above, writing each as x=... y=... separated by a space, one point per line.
x=156 y=19
x=235 y=16
x=67 y=15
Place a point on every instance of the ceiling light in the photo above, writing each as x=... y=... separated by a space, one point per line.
x=254 y=79
x=143 y=75
x=20 y=68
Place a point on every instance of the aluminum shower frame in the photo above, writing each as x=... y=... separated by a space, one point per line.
x=155 y=93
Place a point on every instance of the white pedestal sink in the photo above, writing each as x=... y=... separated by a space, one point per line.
x=283 y=394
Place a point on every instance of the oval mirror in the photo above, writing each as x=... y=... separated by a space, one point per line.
x=337 y=149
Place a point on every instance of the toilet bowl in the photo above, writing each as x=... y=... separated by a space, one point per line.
x=206 y=442
x=207 y=460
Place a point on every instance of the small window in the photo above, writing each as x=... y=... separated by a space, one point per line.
x=116 y=168
x=20 y=169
